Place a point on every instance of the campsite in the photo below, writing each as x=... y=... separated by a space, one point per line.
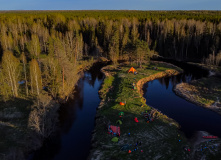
x=109 y=84
x=136 y=128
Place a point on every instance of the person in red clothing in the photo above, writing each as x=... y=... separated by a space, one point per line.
x=135 y=119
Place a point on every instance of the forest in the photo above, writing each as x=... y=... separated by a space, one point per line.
x=43 y=52
x=42 y=48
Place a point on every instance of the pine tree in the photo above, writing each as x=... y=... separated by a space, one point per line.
x=134 y=30
x=114 y=45
x=142 y=52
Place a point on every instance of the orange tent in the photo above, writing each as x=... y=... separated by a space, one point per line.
x=122 y=103
x=132 y=70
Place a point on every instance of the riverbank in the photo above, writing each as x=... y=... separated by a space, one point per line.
x=153 y=140
x=204 y=92
x=26 y=121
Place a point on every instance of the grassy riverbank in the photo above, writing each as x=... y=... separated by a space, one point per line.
x=159 y=139
x=204 y=92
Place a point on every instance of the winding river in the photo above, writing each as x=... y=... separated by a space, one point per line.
x=192 y=118
x=77 y=116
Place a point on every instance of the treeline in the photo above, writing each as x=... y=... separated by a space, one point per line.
x=212 y=16
x=43 y=50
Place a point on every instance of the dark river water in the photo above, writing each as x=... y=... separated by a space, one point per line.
x=77 y=116
x=76 y=121
x=192 y=118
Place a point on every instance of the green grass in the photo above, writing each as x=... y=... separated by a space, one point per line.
x=159 y=138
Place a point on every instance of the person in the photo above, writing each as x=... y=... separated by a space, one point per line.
x=135 y=119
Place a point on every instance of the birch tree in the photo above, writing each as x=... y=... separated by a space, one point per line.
x=5 y=89
x=23 y=59
x=34 y=46
x=10 y=68
x=35 y=76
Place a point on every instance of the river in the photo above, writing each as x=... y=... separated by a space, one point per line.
x=77 y=116
x=76 y=122
x=192 y=118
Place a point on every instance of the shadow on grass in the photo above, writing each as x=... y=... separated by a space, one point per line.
x=14 y=116
x=116 y=89
x=15 y=105
x=150 y=134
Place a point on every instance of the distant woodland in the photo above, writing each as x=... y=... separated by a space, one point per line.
x=45 y=49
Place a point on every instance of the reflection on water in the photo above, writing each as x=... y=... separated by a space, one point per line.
x=72 y=141
x=159 y=94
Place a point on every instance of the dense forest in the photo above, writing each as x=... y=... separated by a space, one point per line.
x=41 y=49
x=42 y=53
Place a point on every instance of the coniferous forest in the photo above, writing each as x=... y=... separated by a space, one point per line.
x=42 y=52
